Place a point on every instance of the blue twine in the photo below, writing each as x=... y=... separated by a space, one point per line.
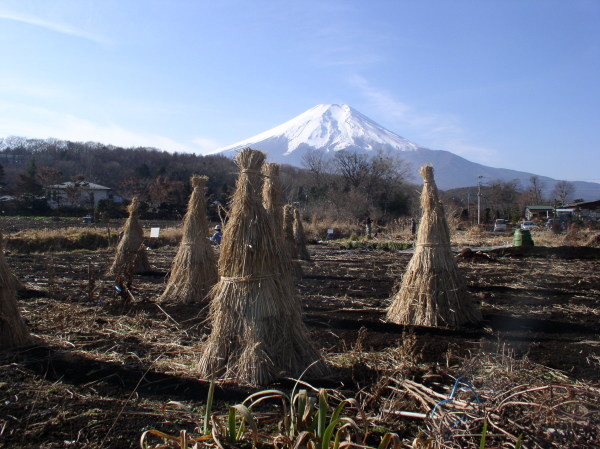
x=459 y=381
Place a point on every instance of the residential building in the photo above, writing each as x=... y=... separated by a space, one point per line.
x=586 y=210
x=76 y=194
x=532 y=212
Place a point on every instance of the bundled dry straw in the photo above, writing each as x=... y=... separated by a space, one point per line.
x=194 y=269
x=272 y=204
x=289 y=242
x=130 y=249
x=433 y=293
x=272 y=195
x=13 y=331
x=299 y=237
x=288 y=231
x=257 y=330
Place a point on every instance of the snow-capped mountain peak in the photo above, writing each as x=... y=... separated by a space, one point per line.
x=331 y=127
x=326 y=126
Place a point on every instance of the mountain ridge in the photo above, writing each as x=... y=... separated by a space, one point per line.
x=332 y=127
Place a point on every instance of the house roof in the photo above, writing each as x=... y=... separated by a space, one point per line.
x=82 y=184
x=585 y=204
x=539 y=207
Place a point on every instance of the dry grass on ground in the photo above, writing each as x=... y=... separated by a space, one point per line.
x=104 y=370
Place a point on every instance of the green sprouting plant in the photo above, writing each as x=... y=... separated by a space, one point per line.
x=484 y=437
x=306 y=421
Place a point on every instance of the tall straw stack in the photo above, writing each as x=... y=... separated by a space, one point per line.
x=13 y=331
x=257 y=330
x=272 y=195
x=299 y=237
x=194 y=269
x=289 y=242
x=288 y=230
x=433 y=293
x=272 y=203
x=130 y=249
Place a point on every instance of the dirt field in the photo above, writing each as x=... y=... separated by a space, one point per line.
x=103 y=370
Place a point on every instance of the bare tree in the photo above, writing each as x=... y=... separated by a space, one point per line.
x=318 y=163
x=503 y=197
x=535 y=189
x=354 y=167
x=385 y=170
x=563 y=190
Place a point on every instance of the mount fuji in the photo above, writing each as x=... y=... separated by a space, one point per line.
x=331 y=127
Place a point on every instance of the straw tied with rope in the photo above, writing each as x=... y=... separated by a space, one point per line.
x=194 y=269
x=257 y=330
x=433 y=291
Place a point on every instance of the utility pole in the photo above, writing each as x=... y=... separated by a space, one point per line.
x=479 y=199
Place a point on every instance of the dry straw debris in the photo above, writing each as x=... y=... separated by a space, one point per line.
x=131 y=247
x=257 y=330
x=502 y=402
x=194 y=269
x=433 y=292
x=299 y=237
x=594 y=241
x=13 y=331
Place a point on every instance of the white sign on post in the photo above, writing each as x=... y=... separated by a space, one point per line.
x=330 y=231
x=154 y=232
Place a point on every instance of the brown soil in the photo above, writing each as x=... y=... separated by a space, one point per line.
x=103 y=369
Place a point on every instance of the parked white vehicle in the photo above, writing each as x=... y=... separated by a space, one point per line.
x=500 y=225
x=528 y=225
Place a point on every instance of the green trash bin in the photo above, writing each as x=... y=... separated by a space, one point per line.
x=522 y=237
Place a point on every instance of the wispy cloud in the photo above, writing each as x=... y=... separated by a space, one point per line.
x=206 y=146
x=436 y=131
x=53 y=25
x=25 y=87
x=37 y=122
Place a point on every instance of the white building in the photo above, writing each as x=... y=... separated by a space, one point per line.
x=79 y=194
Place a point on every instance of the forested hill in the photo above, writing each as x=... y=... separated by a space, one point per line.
x=344 y=187
x=148 y=172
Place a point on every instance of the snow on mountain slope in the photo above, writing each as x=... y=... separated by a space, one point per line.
x=332 y=127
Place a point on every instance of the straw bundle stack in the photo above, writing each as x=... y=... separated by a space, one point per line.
x=13 y=331
x=272 y=195
x=194 y=269
x=257 y=329
x=289 y=243
x=130 y=249
x=433 y=292
x=288 y=231
x=272 y=204
x=299 y=237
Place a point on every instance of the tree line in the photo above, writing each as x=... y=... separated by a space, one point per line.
x=346 y=185
x=160 y=179
x=507 y=199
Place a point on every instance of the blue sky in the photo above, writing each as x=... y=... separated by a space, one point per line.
x=512 y=84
